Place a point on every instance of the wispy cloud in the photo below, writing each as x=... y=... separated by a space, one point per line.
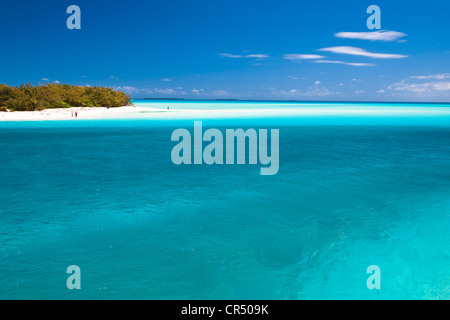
x=363 y=53
x=316 y=90
x=312 y=92
x=237 y=56
x=257 y=56
x=302 y=56
x=178 y=91
x=197 y=91
x=229 y=55
x=166 y=91
x=221 y=93
x=354 y=64
x=133 y=90
x=427 y=87
x=423 y=86
x=433 y=76
x=382 y=35
x=166 y=80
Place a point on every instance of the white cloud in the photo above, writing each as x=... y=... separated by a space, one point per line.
x=166 y=91
x=128 y=89
x=197 y=91
x=354 y=64
x=178 y=91
x=221 y=93
x=45 y=79
x=382 y=35
x=237 y=56
x=133 y=90
x=229 y=55
x=433 y=76
x=257 y=56
x=361 y=52
x=314 y=91
x=166 y=80
x=302 y=56
x=320 y=92
x=381 y=91
x=427 y=87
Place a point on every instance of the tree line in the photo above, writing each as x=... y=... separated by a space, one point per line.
x=27 y=97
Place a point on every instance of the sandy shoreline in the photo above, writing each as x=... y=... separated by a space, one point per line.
x=66 y=114
x=137 y=112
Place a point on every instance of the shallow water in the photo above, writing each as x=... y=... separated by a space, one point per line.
x=104 y=195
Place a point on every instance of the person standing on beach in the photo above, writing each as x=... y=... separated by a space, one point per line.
x=76 y=114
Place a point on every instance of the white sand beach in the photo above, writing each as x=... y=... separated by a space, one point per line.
x=66 y=114
x=149 y=112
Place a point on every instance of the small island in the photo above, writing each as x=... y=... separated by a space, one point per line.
x=27 y=97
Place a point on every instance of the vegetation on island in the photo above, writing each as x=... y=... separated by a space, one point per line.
x=27 y=97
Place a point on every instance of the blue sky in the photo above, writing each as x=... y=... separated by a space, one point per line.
x=283 y=50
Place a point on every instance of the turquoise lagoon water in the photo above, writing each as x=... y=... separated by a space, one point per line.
x=104 y=195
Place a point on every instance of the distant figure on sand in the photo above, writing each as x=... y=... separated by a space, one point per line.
x=72 y=114
x=76 y=114
x=168 y=108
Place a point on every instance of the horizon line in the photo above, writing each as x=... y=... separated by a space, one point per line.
x=277 y=100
